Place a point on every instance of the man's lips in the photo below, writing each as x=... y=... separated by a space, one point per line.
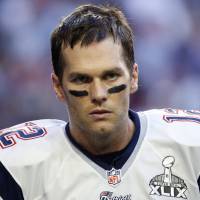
x=99 y=112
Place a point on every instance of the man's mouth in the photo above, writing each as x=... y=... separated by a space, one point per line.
x=99 y=113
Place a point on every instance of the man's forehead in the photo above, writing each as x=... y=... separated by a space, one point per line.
x=96 y=57
x=108 y=41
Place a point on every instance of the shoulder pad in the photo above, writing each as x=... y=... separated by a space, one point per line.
x=28 y=140
x=183 y=126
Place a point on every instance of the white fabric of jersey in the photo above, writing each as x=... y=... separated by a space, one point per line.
x=165 y=164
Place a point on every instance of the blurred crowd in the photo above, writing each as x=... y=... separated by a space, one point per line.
x=167 y=48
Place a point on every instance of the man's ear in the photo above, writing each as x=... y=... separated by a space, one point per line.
x=134 y=79
x=57 y=86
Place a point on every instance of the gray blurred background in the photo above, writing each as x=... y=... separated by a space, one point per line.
x=167 y=48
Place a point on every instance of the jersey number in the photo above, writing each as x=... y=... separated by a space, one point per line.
x=28 y=132
x=192 y=116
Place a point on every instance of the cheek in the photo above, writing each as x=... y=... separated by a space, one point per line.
x=76 y=105
x=121 y=100
x=75 y=109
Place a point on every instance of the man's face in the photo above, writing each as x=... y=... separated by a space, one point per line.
x=96 y=85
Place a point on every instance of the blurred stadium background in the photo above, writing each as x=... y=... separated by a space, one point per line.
x=167 y=48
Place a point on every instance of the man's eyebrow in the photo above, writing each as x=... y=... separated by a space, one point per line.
x=113 y=70
x=76 y=74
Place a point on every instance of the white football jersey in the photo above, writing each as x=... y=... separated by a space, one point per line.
x=39 y=162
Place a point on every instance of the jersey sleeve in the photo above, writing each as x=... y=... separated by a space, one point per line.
x=182 y=126
x=25 y=152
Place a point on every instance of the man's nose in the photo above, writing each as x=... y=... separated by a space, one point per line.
x=98 y=92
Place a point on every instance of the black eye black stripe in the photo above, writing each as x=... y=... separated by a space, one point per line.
x=117 y=89
x=83 y=93
x=78 y=93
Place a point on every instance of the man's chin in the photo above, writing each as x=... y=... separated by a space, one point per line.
x=103 y=128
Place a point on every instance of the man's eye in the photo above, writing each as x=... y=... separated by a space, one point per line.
x=81 y=79
x=111 y=76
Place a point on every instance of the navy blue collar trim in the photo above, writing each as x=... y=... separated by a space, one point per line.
x=116 y=159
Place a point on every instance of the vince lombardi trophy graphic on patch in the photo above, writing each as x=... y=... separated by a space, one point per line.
x=168 y=184
x=167 y=163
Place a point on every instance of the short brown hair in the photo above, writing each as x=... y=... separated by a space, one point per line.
x=89 y=23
